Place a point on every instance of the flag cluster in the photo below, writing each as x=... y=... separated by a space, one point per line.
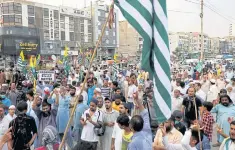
x=149 y=18
x=21 y=64
x=66 y=61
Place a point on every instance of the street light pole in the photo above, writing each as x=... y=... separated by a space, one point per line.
x=202 y=35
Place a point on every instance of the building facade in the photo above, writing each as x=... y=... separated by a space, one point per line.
x=110 y=40
x=131 y=43
x=42 y=29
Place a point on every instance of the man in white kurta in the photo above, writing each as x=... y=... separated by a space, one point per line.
x=213 y=91
x=110 y=117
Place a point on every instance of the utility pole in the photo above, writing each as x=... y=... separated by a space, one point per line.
x=202 y=35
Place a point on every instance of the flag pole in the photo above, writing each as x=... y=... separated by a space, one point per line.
x=85 y=80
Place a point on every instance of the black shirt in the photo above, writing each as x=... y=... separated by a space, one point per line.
x=23 y=128
x=190 y=108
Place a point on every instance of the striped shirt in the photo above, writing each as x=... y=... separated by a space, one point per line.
x=106 y=91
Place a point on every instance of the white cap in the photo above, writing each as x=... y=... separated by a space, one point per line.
x=227 y=80
x=98 y=90
x=12 y=107
x=212 y=80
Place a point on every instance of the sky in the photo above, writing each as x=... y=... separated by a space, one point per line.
x=183 y=15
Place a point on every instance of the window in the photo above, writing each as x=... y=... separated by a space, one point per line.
x=62 y=18
x=5 y=8
x=114 y=33
x=82 y=27
x=46 y=12
x=107 y=41
x=18 y=19
x=71 y=19
x=11 y=19
x=6 y=19
x=89 y=29
x=89 y=38
x=62 y=25
x=31 y=20
x=17 y=8
x=46 y=23
x=98 y=13
x=71 y=36
x=56 y=34
x=62 y=35
x=107 y=32
x=46 y=34
x=56 y=24
x=114 y=42
x=30 y=10
x=89 y=21
x=11 y=8
x=56 y=14
x=71 y=27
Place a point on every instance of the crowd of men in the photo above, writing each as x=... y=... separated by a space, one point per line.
x=117 y=113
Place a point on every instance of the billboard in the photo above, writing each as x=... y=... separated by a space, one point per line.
x=12 y=45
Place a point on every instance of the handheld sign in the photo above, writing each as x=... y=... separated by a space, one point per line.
x=46 y=75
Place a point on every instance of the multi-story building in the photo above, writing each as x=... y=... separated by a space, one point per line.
x=215 y=44
x=179 y=40
x=42 y=29
x=131 y=43
x=227 y=45
x=110 y=40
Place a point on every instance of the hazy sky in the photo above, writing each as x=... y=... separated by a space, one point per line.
x=184 y=14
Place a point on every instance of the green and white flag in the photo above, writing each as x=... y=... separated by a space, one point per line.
x=149 y=18
x=199 y=67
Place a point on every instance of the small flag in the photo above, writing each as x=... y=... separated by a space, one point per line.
x=22 y=55
x=115 y=57
x=66 y=51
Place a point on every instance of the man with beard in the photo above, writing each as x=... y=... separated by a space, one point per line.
x=117 y=101
x=12 y=94
x=89 y=140
x=77 y=130
x=188 y=107
x=174 y=136
x=46 y=116
x=224 y=110
x=110 y=116
x=229 y=143
x=100 y=105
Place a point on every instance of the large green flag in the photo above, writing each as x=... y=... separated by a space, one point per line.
x=149 y=18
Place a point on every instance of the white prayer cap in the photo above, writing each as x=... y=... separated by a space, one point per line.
x=178 y=88
x=12 y=107
x=212 y=80
x=227 y=80
x=98 y=90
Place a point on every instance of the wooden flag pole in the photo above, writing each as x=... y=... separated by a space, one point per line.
x=85 y=80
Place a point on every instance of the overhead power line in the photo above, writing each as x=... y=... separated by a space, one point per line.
x=213 y=9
